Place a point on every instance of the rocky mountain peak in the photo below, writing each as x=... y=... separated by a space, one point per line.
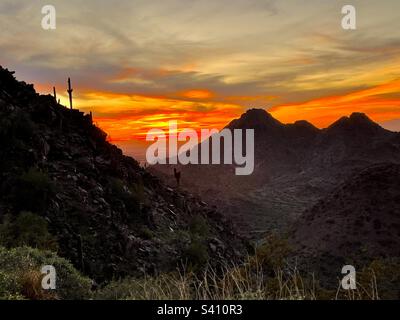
x=356 y=122
x=255 y=118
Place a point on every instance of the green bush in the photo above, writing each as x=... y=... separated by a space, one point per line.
x=196 y=254
x=8 y=289
x=33 y=190
x=162 y=287
x=27 y=229
x=383 y=275
x=20 y=276
x=130 y=196
x=199 y=227
x=273 y=253
x=146 y=233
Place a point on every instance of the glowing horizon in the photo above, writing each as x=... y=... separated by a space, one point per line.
x=381 y=103
x=138 y=64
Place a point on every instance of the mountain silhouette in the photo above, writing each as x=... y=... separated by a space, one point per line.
x=109 y=216
x=255 y=119
x=295 y=165
x=358 y=221
x=356 y=123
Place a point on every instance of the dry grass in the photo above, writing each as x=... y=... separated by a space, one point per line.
x=248 y=281
x=31 y=286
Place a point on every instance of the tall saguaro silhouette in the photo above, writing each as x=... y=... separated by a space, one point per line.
x=70 y=92
x=177 y=175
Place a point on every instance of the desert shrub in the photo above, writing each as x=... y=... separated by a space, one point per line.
x=8 y=289
x=380 y=280
x=196 y=254
x=273 y=253
x=199 y=227
x=20 y=275
x=129 y=196
x=117 y=186
x=246 y=281
x=27 y=229
x=33 y=190
x=137 y=189
x=237 y=282
x=162 y=287
x=146 y=233
x=31 y=286
x=119 y=290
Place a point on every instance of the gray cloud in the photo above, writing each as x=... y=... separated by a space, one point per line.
x=231 y=47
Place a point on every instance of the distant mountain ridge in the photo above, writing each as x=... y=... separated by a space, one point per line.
x=255 y=119
x=295 y=164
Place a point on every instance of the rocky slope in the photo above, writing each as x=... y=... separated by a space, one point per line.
x=357 y=222
x=110 y=216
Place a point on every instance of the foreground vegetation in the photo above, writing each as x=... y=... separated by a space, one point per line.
x=20 y=276
x=257 y=278
x=250 y=282
x=269 y=273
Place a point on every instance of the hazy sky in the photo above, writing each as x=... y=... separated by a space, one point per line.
x=137 y=64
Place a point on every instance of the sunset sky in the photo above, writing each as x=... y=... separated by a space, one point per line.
x=138 y=64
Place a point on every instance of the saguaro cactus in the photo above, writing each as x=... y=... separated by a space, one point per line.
x=70 y=92
x=177 y=175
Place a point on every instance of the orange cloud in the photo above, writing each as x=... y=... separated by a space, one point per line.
x=256 y=98
x=136 y=127
x=381 y=103
x=198 y=94
x=125 y=117
x=124 y=74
